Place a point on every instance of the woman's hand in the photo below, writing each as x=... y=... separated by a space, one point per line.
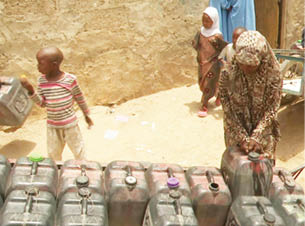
x=251 y=145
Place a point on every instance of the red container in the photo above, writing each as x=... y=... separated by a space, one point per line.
x=75 y=174
x=246 y=174
x=159 y=175
x=127 y=193
x=210 y=195
x=283 y=184
x=42 y=173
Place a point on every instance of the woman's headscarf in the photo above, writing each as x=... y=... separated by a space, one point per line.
x=213 y=14
x=252 y=47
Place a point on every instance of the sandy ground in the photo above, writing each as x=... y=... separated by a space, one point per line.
x=162 y=127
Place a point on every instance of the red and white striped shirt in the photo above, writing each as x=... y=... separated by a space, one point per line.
x=58 y=97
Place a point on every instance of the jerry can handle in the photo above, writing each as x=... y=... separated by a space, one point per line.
x=170 y=172
x=268 y=217
x=261 y=207
x=210 y=176
x=84 y=210
x=178 y=208
x=30 y=192
x=83 y=170
x=128 y=170
x=301 y=204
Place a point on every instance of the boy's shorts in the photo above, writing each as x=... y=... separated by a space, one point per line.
x=57 y=138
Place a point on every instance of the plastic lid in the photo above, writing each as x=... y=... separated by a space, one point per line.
x=82 y=181
x=269 y=218
x=253 y=156
x=131 y=180
x=172 y=182
x=36 y=157
x=214 y=187
x=300 y=41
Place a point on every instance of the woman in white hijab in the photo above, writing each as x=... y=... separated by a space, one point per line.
x=208 y=42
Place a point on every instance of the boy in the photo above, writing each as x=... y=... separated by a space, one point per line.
x=57 y=91
x=229 y=51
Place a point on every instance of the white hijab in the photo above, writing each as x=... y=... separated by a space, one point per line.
x=213 y=14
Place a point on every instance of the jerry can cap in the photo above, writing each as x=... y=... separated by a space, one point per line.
x=253 y=156
x=82 y=181
x=131 y=180
x=172 y=182
x=269 y=218
x=36 y=157
x=31 y=191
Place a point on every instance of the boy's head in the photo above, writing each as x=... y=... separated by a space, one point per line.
x=236 y=33
x=49 y=60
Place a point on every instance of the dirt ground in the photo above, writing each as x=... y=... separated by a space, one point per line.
x=162 y=127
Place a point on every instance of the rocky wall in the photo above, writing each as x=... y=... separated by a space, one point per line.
x=119 y=49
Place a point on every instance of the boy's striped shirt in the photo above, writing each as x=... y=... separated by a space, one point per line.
x=58 y=97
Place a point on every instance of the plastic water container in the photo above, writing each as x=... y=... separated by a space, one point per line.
x=291 y=208
x=29 y=207
x=15 y=104
x=75 y=174
x=283 y=184
x=34 y=171
x=5 y=169
x=246 y=174
x=127 y=193
x=170 y=209
x=210 y=195
x=82 y=208
x=160 y=175
x=253 y=211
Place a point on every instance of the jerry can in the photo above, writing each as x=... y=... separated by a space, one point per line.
x=210 y=195
x=170 y=209
x=291 y=208
x=253 y=211
x=5 y=169
x=33 y=171
x=160 y=177
x=75 y=174
x=283 y=184
x=127 y=193
x=15 y=105
x=246 y=174
x=30 y=207
x=82 y=207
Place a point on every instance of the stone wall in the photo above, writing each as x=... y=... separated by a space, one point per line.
x=119 y=49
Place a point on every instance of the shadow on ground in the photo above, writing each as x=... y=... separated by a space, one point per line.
x=17 y=148
x=216 y=112
x=291 y=119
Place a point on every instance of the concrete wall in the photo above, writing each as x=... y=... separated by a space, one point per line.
x=119 y=49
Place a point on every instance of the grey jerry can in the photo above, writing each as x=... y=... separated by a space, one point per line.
x=83 y=208
x=5 y=169
x=29 y=207
x=210 y=195
x=170 y=209
x=283 y=184
x=253 y=211
x=15 y=104
x=127 y=193
x=246 y=174
x=80 y=173
x=34 y=171
x=291 y=208
x=161 y=176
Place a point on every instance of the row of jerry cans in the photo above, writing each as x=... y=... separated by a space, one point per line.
x=168 y=195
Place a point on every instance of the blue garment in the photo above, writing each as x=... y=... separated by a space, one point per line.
x=222 y=6
x=242 y=14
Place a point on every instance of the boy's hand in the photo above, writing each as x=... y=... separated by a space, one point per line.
x=27 y=85
x=89 y=121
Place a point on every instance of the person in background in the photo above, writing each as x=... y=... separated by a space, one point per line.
x=250 y=91
x=208 y=42
x=235 y=13
x=57 y=91
x=229 y=51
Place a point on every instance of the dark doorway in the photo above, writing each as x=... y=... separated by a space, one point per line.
x=268 y=20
